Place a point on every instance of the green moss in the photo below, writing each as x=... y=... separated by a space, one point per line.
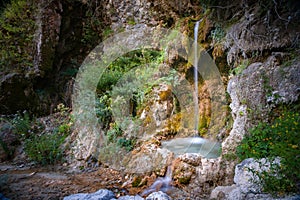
x=131 y=21
x=203 y=124
x=136 y=182
x=17 y=28
x=230 y=156
x=184 y=180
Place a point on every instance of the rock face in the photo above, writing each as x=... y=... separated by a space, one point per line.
x=247 y=182
x=253 y=34
x=60 y=44
x=259 y=88
x=8 y=141
x=16 y=93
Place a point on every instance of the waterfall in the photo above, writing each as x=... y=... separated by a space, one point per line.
x=161 y=184
x=196 y=28
x=38 y=39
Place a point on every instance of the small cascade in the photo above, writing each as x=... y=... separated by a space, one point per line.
x=196 y=144
x=38 y=39
x=161 y=184
x=196 y=28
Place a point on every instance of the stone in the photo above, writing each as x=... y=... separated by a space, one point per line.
x=193 y=159
x=16 y=93
x=251 y=101
x=9 y=141
x=220 y=191
x=102 y=194
x=240 y=40
x=127 y=197
x=148 y=159
x=247 y=184
x=158 y=196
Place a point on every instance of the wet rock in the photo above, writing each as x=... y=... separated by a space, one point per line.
x=100 y=195
x=158 y=195
x=183 y=172
x=47 y=37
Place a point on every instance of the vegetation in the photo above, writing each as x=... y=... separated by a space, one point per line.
x=117 y=70
x=17 y=27
x=240 y=68
x=277 y=139
x=118 y=81
x=21 y=124
x=42 y=145
x=217 y=34
x=45 y=149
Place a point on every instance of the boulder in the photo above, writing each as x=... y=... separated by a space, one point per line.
x=247 y=184
x=8 y=141
x=102 y=194
x=158 y=195
x=127 y=197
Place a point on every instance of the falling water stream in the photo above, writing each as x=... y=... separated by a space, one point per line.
x=196 y=114
x=161 y=184
x=196 y=144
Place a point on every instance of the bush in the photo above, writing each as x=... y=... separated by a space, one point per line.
x=277 y=139
x=45 y=149
x=21 y=124
x=126 y=143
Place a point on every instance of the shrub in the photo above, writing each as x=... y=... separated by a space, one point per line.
x=45 y=149
x=21 y=124
x=128 y=144
x=277 y=139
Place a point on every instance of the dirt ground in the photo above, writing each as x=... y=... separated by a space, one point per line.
x=57 y=182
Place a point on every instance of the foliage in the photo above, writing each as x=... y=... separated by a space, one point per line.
x=230 y=156
x=103 y=110
x=114 y=132
x=126 y=143
x=123 y=90
x=131 y=21
x=217 y=34
x=45 y=149
x=17 y=27
x=240 y=68
x=70 y=72
x=21 y=124
x=115 y=135
x=107 y=32
x=120 y=69
x=277 y=139
x=42 y=145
